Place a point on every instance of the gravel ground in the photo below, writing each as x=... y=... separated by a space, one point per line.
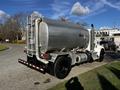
x=15 y=76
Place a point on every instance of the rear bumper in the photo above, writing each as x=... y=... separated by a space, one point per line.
x=32 y=66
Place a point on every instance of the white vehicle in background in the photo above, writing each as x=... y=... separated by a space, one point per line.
x=54 y=46
x=7 y=40
x=118 y=48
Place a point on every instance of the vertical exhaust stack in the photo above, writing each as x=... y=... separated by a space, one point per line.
x=92 y=37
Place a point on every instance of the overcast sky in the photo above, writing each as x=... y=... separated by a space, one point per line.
x=98 y=12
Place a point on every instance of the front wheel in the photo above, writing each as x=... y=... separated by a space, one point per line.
x=102 y=52
x=62 y=67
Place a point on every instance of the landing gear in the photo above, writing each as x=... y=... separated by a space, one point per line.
x=62 y=66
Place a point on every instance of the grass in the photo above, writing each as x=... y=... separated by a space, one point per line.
x=19 y=42
x=106 y=77
x=3 y=47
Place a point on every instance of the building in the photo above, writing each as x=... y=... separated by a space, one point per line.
x=108 y=33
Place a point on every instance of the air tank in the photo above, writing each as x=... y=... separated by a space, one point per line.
x=57 y=35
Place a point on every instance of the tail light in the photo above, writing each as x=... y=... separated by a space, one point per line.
x=46 y=56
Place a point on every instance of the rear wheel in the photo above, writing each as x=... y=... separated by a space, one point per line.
x=62 y=67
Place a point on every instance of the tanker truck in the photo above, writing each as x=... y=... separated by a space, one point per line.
x=55 y=46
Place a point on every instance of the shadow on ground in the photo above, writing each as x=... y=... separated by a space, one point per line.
x=112 y=55
x=74 y=84
x=115 y=71
x=105 y=84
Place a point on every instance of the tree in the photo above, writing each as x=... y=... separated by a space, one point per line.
x=13 y=27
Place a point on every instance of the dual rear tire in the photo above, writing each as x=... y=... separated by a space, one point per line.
x=62 y=67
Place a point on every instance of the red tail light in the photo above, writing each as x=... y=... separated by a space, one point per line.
x=46 y=56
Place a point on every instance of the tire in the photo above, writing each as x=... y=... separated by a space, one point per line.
x=102 y=52
x=62 y=67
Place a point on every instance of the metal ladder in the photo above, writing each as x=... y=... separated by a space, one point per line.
x=31 y=33
x=30 y=36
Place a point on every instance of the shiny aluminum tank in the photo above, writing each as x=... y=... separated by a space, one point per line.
x=56 y=35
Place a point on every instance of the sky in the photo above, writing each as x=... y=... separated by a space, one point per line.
x=101 y=13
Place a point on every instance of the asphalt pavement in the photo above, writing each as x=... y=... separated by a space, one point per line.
x=15 y=76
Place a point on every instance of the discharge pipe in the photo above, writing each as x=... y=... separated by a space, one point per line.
x=37 y=21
